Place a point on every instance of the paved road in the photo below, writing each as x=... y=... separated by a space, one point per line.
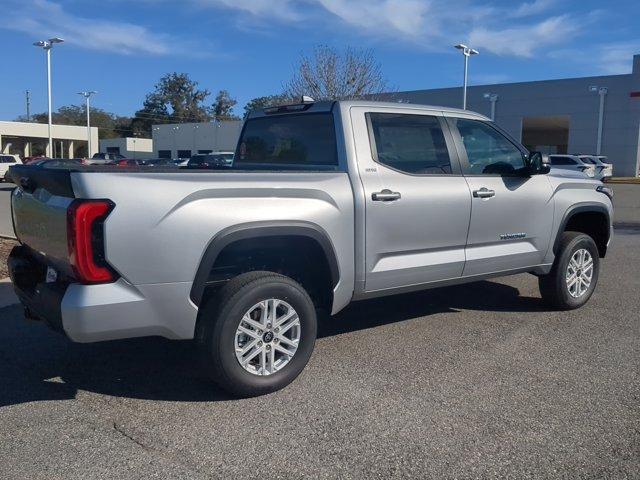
x=477 y=381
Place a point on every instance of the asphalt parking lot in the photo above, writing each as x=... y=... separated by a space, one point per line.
x=477 y=381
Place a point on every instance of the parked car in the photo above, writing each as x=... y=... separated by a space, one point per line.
x=159 y=162
x=180 y=162
x=326 y=203
x=56 y=162
x=6 y=160
x=126 y=162
x=28 y=160
x=574 y=163
x=101 y=158
x=211 y=160
x=603 y=169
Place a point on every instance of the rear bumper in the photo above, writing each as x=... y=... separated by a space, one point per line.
x=91 y=313
x=41 y=300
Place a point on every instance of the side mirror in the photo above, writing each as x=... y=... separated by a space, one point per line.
x=539 y=163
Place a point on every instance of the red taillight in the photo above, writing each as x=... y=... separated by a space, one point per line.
x=86 y=240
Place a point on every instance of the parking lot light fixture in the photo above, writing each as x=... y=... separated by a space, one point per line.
x=493 y=98
x=47 y=45
x=602 y=92
x=87 y=96
x=466 y=52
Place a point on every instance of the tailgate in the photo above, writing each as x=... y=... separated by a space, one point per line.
x=39 y=209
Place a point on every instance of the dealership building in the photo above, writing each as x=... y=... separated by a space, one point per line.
x=185 y=139
x=31 y=139
x=129 y=147
x=559 y=116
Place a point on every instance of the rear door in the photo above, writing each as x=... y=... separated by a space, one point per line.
x=511 y=214
x=417 y=201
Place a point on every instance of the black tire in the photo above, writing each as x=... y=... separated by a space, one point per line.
x=220 y=318
x=553 y=286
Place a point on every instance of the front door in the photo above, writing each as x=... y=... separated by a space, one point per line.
x=417 y=201
x=511 y=214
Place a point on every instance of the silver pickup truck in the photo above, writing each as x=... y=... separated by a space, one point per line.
x=326 y=203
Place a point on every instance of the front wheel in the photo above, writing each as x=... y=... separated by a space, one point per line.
x=257 y=334
x=574 y=274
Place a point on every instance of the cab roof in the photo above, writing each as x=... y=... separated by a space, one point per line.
x=327 y=106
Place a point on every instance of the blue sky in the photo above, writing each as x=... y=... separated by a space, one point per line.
x=249 y=47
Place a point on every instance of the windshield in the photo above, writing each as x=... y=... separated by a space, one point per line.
x=303 y=141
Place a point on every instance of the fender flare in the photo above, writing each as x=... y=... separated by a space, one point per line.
x=576 y=209
x=256 y=230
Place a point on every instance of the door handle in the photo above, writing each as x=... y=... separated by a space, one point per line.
x=484 y=193
x=385 y=196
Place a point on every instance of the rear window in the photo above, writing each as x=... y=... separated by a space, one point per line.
x=306 y=141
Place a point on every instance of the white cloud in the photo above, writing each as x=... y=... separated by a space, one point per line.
x=44 y=18
x=488 y=25
x=533 y=8
x=405 y=17
x=523 y=41
x=615 y=58
x=610 y=59
x=282 y=9
x=433 y=24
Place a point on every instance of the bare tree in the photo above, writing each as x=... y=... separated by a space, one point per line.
x=332 y=75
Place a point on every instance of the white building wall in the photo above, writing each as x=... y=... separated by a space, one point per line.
x=26 y=132
x=196 y=137
x=130 y=147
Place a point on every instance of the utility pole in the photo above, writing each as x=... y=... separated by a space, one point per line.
x=28 y=95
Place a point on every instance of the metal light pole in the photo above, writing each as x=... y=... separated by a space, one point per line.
x=467 y=52
x=602 y=92
x=493 y=98
x=28 y=95
x=86 y=96
x=47 y=45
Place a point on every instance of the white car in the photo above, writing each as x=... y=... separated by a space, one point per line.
x=573 y=162
x=604 y=169
x=6 y=161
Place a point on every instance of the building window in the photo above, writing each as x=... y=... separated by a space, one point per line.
x=164 y=153
x=115 y=150
x=205 y=151
x=184 y=153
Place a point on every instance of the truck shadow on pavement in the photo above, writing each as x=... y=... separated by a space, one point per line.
x=37 y=364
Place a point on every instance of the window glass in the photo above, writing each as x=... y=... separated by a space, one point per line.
x=410 y=143
x=488 y=151
x=184 y=153
x=562 y=161
x=299 y=141
x=198 y=159
x=164 y=153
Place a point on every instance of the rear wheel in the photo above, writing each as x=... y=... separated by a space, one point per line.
x=574 y=275
x=257 y=334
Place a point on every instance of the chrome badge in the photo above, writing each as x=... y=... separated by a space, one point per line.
x=511 y=236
